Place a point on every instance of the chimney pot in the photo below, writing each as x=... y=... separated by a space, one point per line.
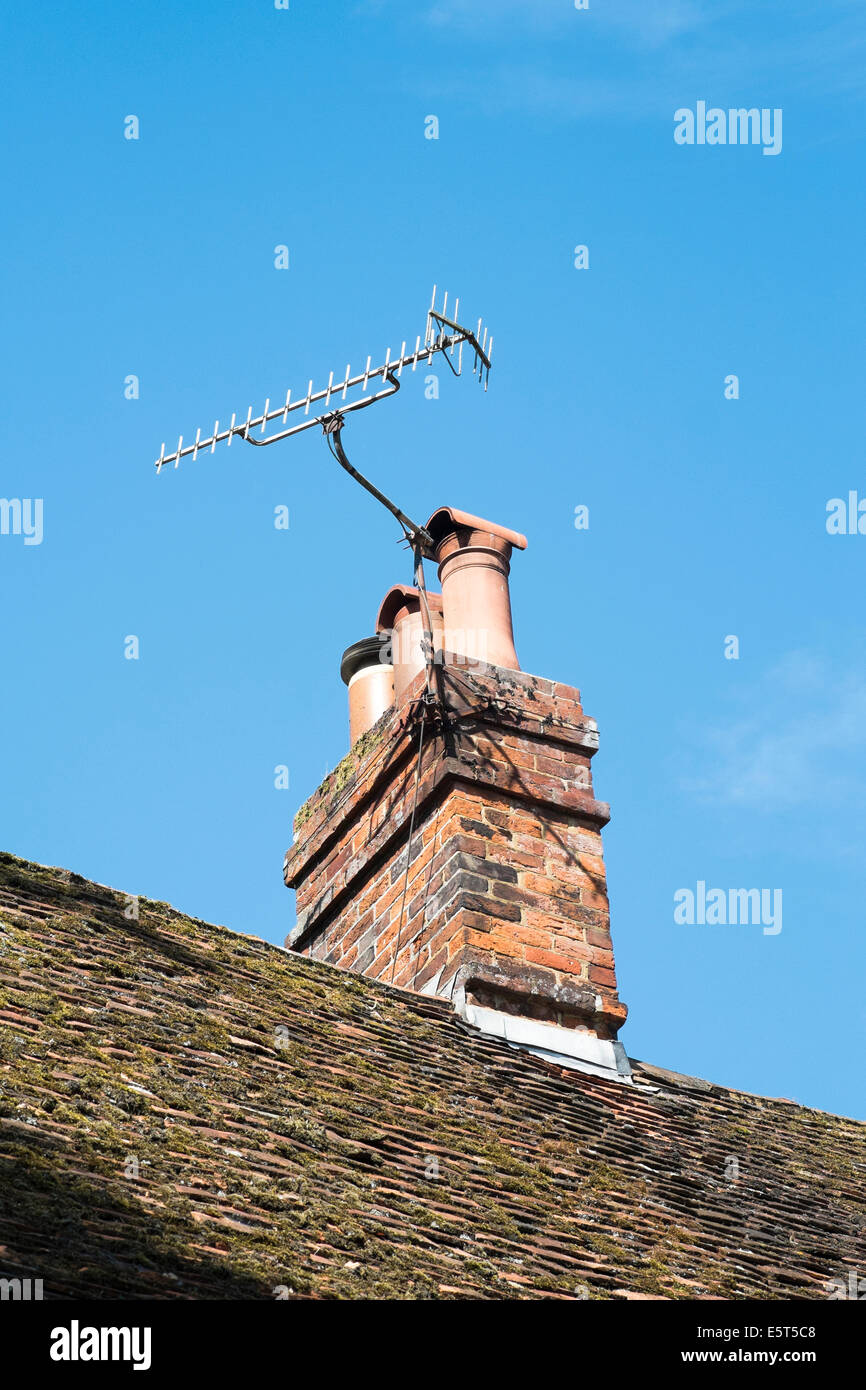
x=474 y=562
x=403 y=617
x=370 y=681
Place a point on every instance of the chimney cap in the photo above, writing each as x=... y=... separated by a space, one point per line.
x=367 y=652
x=447 y=519
x=403 y=596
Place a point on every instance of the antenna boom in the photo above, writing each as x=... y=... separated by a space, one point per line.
x=436 y=339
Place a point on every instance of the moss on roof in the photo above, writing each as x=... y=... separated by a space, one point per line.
x=186 y=1112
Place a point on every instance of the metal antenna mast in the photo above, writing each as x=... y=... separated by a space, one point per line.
x=442 y=334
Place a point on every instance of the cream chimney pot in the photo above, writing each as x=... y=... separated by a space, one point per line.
x=371 y=684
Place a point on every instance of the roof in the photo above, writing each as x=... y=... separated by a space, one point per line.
x=375 y=1147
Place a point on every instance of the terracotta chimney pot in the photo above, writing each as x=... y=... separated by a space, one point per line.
x=402 y=615
x=370 y=681
x=473 y=556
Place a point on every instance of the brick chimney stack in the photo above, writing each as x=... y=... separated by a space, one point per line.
x=504 y=908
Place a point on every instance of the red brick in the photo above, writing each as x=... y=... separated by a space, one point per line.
x=573 y=949
x=554 y=960
x=602 y=975
x=598 y=938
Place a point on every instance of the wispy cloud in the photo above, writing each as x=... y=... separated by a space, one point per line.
x=531 y=87
x=639 y=21
x=633 y=57
x=803 y=739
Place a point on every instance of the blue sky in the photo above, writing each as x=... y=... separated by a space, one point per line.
x=155 y=257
